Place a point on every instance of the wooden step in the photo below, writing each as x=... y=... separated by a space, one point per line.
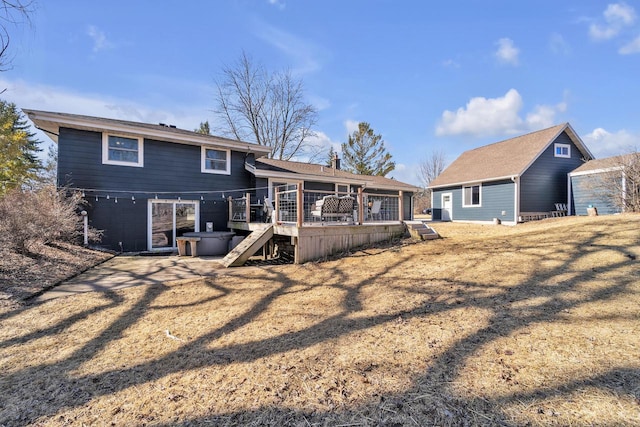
x=249 y=246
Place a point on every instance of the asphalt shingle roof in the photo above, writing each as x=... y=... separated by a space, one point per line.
x=311 y=169
x=498 y=160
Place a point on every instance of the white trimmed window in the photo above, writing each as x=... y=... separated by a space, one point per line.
x=562 y=150
x=471 y=196
x=216 y=161
x=122 y=150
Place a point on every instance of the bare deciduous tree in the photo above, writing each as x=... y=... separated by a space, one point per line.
x=12 y=12
x=266 y=108
x=619 y=183
x=428 y=169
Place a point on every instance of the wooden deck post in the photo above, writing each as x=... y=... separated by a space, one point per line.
x=400 y=206
x=361 y=207
x=300 y=205
x=276 y=208
x=247 y=208
x=230 y=201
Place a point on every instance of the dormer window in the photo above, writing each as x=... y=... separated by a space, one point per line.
x=122 y=150
x=562 y=150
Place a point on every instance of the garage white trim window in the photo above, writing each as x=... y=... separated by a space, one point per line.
x=122 y=150
x=562 y=150
x=472 y=196
x=215 y=160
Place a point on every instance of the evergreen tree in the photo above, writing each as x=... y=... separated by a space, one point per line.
x=365 y=154
x=331 y=156
x=19 y=163
x=204 y=128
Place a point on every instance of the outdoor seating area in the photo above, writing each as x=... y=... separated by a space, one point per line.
x=334 y=208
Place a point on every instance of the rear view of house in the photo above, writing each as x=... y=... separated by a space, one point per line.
x=146 y=184
x=508 y=181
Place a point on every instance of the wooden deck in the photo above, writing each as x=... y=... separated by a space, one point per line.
x=314 y=242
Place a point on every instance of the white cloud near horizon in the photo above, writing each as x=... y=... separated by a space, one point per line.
x=497 y=116
x=616 y=16
x=507 y=52
x=58 y=99
x=603 y=143
x=631 y=47
x=100 y=41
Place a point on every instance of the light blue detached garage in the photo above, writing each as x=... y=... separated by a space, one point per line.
x=605 y=186
x=515 y=180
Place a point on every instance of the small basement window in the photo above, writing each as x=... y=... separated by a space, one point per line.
x=122 y=150
x=216 y=161
x=562 y=150
x=471 y=195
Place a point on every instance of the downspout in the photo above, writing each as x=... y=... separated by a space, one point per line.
x=516 y=198
x=569 y=194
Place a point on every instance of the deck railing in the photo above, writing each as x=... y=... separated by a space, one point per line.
x=295 y=206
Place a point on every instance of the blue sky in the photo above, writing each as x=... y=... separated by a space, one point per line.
x=428 y=76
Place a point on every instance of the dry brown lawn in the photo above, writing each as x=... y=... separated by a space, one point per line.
x=537 y=324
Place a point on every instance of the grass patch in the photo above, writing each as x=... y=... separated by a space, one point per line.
x=529 y=325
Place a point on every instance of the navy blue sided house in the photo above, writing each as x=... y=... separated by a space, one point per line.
x=146 y=184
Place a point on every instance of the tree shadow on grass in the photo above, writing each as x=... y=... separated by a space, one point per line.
x=433 y=399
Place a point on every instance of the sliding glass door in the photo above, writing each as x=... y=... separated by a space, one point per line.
x=169 y=219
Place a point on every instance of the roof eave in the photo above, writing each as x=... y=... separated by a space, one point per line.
x=475 y=181
x=51 y=124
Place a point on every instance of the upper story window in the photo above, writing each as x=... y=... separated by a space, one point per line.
x=216 y=161
x=562 y=150
x=121 y=150
x=471 y=195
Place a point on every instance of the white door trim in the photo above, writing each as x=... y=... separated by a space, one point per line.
x=150 y=203
x=442 y=207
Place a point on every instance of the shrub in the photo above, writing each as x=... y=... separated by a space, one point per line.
x=41 y=216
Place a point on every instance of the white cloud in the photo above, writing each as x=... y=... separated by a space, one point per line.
x=616 y=17
x=631 y=47
x=603 y=143
x=351 y=126
x=450 y=63
x=497 y=116
x=50 y=98
x=507 y=52
x=558 y=44
x=99 y=38
x=405 y=173
x=278 y=3
x=544 y=116
x=303 y=53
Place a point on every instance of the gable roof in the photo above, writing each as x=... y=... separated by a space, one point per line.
x=505 y=159
x=51 y=122
x=287 y=169
x=606 y=165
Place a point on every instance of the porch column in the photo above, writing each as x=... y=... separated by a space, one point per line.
x=400 y=205
x=247 y=208
x=361 y=207
x=300 y=203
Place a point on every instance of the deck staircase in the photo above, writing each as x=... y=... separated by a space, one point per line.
x=421 y=231
x=254 y=241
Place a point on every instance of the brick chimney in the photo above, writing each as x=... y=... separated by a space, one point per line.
x=335 y=162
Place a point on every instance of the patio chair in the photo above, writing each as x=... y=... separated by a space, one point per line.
x=268 y=210
x=345 y=208
x=375 y=209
